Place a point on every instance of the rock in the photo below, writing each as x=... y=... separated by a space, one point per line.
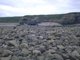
x=60 y=46
x=36 y=52
x=14 y=58
x=78 y=49
x=41 y=57
x=6 y=53
x=55 y=57
x=25 y=51
x=51 y=51
x=40 y=37
x=13 y=43
x=6 y=58
x=24 y=45
x=58 y=57
x=31 y=48
x=65 y=55
x=51 y=41
x=67 y=59
x=1 y=50
x=75 y=55
x=42 y=48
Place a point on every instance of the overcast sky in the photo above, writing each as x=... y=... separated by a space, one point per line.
x=32 y=7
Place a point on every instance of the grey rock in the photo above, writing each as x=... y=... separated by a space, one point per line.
x=13 y=43
x=6 y=58
x=54 y=57
x=15 y=58
x=25 y=51
x=75 y=55
x=24 y=45
x=6 y=53
x=36 y=52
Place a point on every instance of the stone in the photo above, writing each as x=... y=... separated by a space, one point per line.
x=41 y=48
x=58 y=57
x=66 y=56
x=55 y=57
x=14 y=58
x=51 y=41
x=51 y=51
x=75 y=55
x=41 y=57
x=6 y=58
x=24 y=45
x=60 y=46
x=13 y=43
x=36 y=52
x=6 y=53
x=25 y=51
x=1 y=50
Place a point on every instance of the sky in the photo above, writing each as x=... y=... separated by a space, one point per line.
x=37 y=7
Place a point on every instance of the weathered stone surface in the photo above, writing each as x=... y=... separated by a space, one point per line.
x=6 y=53
x=15 y=58
x=24 y=45
x=13 y=43
x=75 y=55
x=36 y=52
x=55 y=57
x=25 y=52
x=6 y=58
x=60 y=47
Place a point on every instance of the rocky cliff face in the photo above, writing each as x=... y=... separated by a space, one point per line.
x=71 y=18
x=65 y=19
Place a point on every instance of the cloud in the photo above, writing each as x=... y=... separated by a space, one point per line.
x=31 y=7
